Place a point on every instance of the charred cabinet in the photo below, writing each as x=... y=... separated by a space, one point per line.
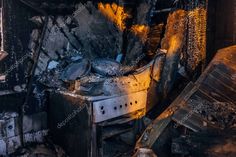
x=85 y=126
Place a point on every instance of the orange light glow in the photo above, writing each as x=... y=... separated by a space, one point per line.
x=140 y=31
x=117 y=15
x=114 y=13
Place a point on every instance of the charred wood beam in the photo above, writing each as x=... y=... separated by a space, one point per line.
x=37 y=53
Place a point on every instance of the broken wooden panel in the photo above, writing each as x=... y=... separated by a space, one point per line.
x=198 y=108
x=191 y=120
x=222 y=76
x=214 y=101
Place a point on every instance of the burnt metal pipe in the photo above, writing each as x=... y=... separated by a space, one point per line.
x=31 y=78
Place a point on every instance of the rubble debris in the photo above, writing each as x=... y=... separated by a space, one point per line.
x=208 y=104
x=106 y=67
x=54 y=40
x=76 y=70
x=42 y=63
x=102 y=41
x=34 y=37
x=136 y=81
x=210 y=144
x=220 y=113
x=64 y=24
x=93 y=81
x=81 y=35
x=90 y=85
x=76 y=58
x=34 y=130
x=43 y=150
x=52 y=65
x=51 y=79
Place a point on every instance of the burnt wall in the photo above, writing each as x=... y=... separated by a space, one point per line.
x=16 y=29
x=221 y=30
